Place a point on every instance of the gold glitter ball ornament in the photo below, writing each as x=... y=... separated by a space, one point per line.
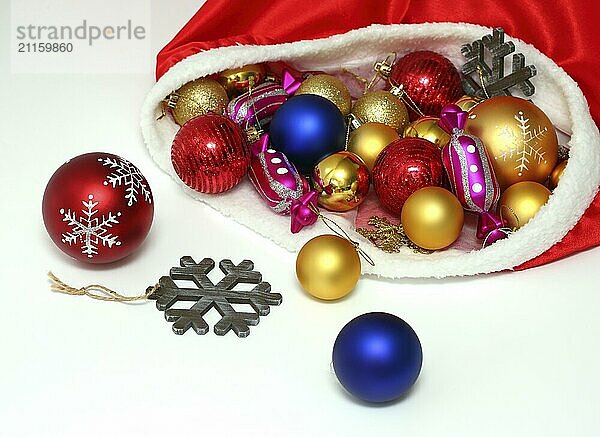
x=369 y=140
x=197 y=98
x=237 y=80
x=432 y=218
x=381 y=107
x=557 y=173
x=328 y=267
x=467 y=103
x=342 y=181
x=329 y=87
x=518 y=136
x=427 y=127
x=520 y=202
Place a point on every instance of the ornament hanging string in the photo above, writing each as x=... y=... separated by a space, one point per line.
x=482 y=80
x=355 y=76
x=338 y=230
x=96 y=291
x=253 y=103
x=399 y=91
x=505 y=231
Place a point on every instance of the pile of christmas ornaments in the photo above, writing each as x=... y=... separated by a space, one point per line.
x=429 y=152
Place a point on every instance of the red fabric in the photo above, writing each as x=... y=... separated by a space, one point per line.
x=565 y=30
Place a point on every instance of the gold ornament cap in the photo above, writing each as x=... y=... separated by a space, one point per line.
x=381 y=107
x=369 y=140
x=328 y=267
x=329 y=87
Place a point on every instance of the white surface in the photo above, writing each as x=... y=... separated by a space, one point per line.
x=512 y=354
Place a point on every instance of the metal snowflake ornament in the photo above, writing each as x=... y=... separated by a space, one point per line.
x=493 y=79
x=220 y=296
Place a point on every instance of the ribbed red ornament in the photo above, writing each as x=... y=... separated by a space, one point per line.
x=210 y=154
x=429 y=79
x=403 y=167
x=98 y=208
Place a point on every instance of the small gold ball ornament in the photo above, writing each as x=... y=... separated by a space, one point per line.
x=519 y=137
x=342 y=181
x=197 y=98
x=328 y=267
x=557 y=173
x=432 y=218
x=520 y=202
x=369 y=140
x=427 y=127
x=237 y=80
x=381 y=107
x=467 y=103
x=329 y=87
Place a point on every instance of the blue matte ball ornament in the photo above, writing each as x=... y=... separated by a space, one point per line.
x=377 y=357
x=307 y=128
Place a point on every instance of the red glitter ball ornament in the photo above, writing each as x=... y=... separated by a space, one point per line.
x=429 y=79
x=403 y=167
x=210 y=154
x=98 y=208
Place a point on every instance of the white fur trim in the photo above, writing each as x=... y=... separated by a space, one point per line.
x=557 y=94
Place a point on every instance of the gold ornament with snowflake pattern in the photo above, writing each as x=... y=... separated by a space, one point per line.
x=519 y=138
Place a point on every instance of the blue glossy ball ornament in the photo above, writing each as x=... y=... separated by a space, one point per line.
x=377 y=357
x=307 y=128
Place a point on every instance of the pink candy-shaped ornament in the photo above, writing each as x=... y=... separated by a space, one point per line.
x=278 y=182
x=257 y=106
x=471 y=174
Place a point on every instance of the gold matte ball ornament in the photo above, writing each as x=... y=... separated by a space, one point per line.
x=342 y=181
x=329 y=87
x=432 y=218
x=427 y=128
x=328 y=267
x=557 y=173
x=369 y=140
x=520 y=202
x=381 y=107
x=519 y=138
x=197 y=98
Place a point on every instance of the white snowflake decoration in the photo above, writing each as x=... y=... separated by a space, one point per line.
x=90 y=231
x=126 y=174
x=524 y=147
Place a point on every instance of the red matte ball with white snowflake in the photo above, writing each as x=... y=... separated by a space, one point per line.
x=98 y=208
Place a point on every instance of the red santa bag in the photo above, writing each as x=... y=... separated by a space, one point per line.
x=327 y=34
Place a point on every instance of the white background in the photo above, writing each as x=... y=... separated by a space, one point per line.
x=511 y=354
